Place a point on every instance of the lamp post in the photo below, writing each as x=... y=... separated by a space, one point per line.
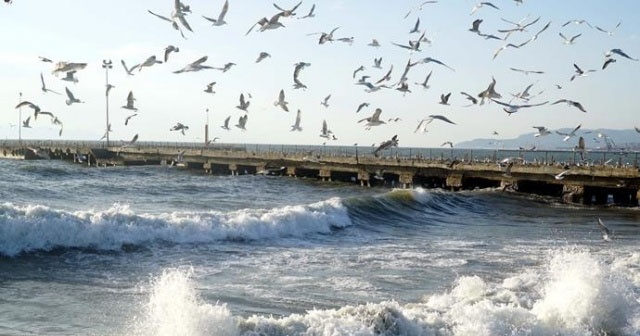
x=206 y=130
x=106 y=65
x=356 y=144
x=20 y=121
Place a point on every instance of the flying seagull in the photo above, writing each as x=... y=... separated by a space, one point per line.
x=179 y=127
x=262 y=56
x=311 y=14
x=511 y=108
x=168 y=50
x=131 y=142
x=70 y=77
x=542 y=131
x=225 y=126
x=287 y=12
x=393 y=142
x=267 y=24
x=326 y=133
x=209 y=88
x=361 y=106
x=151 y=60
x=571 y=40
x=129 y=70
x=424 y=122
x=571 y=103
x=35 y=107
x=220 y=20
x=296 y=74
x=426 y=81
x=242 y=122
x=325 y=101
x=281 y=101
x=419 y=8
x=490 y=92
x=44 y=87
x=196 y=65
x=71 y=98
x=579 y=72
x=620 y=53
x=244 y=104
x=373 y=120
x=296 y=125
x=126 y=121
x=429 y=59
x=568 y=136
x=130 y=100
x=526 y=72
x=482 y=4
x=444 y=98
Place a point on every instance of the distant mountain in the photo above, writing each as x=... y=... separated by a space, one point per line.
x=594 y=139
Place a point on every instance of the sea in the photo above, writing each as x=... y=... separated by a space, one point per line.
x=160 y=250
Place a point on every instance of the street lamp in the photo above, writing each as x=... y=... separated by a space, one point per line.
x=106 y=65
x=20 y=121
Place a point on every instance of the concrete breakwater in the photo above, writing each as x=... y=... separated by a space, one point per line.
x=587 y=178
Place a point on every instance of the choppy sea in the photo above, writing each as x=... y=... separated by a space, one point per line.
x=166 y=251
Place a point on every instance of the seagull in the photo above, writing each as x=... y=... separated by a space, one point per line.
x=244 y=104
x=424 y=122
x=426 y=80
x=127 y=144
x=377 y=63
x=419 y=8
x=289 y=12
x=126 y=121
x=173 y=22
x=568 y=136
x=267 y=24
x=363 y=105
x=482 y=4
x=296 y=73
x=151 y=60
x=130 y=100
x=242 y=122
x=447 y=143
x=44 y=87
x=168 y=50
x=609 y=32
x=311 y=14
x=490 y=92
x=225 y=126
x=29 y=104
x=542 y=131
x=326 y=132
x=25 y=123
x=387 y=76
x=469 y=97
x=70 y=77
x=572 y=103
x=607 y=62
x=373 y=88
x=355 y=72
x=325 y=37
x=429 y=59
x=262 y=56
x=70 y=98
x=393 y=142
x=444 y=99
x=220 y=20
x=179 y=127
x=296 y=125
x=569 y=40
x=526 y=72
x=519 y=26
x=67 y=66
x=577 y=21
x=606 y=233
x=226 y=67
x=325 y=102
x=579 y=72
x=510 y=108
x=620 y=53
x=404 y=88
x=373 y=120
x=374 y=43
x=44 y=59
x=475 y=26
x=416 y=27
x=209 y=88
x=281 y=102
x=413 y=45
x=505 y=47
x=195 y=66
x=524 y=95
x=129 y=70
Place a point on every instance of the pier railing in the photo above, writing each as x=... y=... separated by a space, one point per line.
x=615 y=158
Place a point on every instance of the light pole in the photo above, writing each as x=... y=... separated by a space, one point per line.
x=20 y=121
x=106 y=65
x=206 y=130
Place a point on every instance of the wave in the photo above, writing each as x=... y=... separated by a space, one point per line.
x=31 y=228
x=575 y=293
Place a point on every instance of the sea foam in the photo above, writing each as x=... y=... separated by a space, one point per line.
x=36 y=227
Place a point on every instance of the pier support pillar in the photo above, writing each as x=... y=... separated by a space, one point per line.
x=291 y=171
x=454 y=181
x=325 y=174
x=207 y=167
x=363 y=176
x=233 y=168
x=574 y=194
x=406 y=180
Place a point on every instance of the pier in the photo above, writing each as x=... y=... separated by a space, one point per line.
x=591 y=178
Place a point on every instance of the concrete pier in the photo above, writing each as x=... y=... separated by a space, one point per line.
x=585 y=183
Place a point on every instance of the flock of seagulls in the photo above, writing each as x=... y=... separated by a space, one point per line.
x=510 y=38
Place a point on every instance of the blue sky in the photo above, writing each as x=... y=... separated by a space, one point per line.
x=90 y=31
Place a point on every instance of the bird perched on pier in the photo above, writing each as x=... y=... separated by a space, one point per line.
x=179 y=127
x=130 y=101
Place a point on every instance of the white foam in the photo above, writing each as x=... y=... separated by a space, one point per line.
x=36 y=227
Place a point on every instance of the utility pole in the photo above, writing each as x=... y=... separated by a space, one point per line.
x=106 y=65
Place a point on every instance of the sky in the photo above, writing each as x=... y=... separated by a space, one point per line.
x=93 y=31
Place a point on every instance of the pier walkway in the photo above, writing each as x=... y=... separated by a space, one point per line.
x=594 y=177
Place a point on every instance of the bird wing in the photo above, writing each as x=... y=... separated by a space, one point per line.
x=69 y=94
x=225 y=8
x=160 y=16
x=441 y=117
x=376 y=115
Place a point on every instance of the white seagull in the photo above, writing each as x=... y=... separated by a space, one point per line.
x=281 y=101
x=220 y=20
x=196 y=65
x=70 y=98
x=44 y=87
x=296 y=125
x=130 y=101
